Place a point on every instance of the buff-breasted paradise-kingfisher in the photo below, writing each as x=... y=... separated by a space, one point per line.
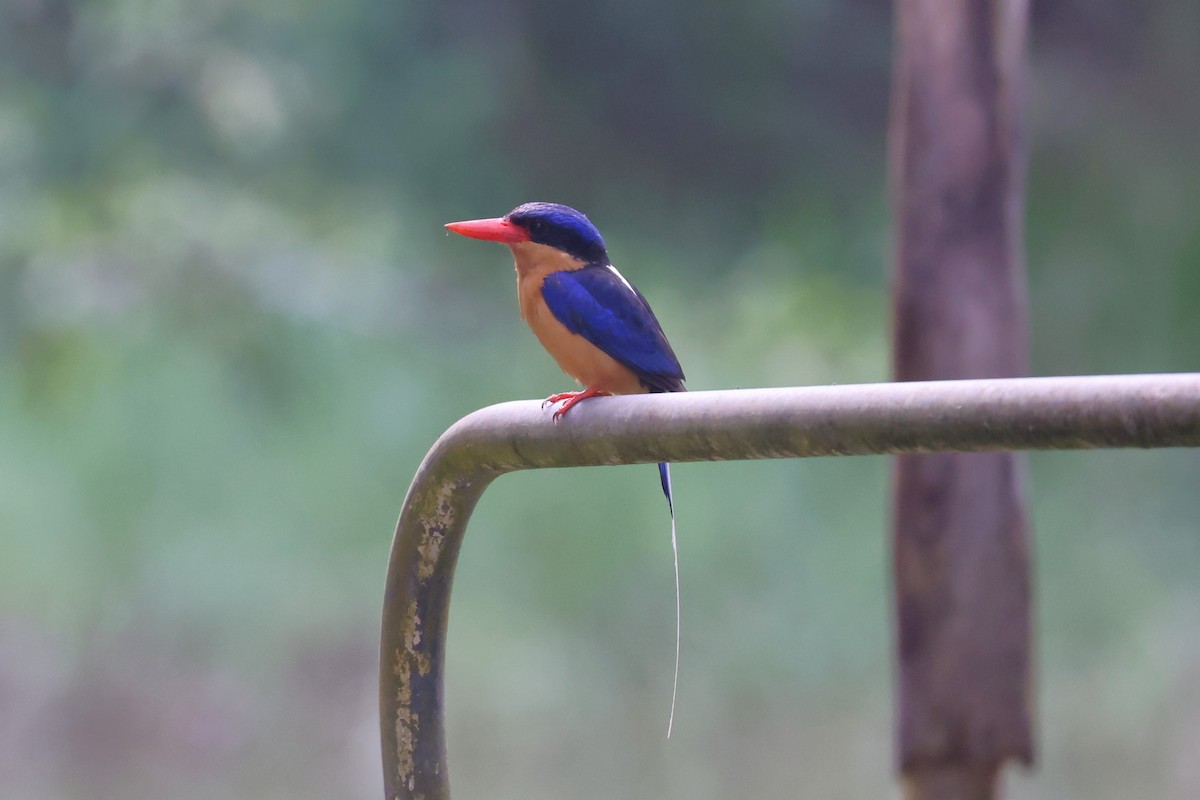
x=593 y=321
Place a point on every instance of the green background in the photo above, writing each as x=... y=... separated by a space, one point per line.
x=231 y=325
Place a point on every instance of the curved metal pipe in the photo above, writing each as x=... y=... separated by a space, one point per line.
x=1009 y=414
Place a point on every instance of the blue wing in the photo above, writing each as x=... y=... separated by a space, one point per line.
x=598 y=304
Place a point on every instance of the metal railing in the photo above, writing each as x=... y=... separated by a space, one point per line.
x=1010 y=414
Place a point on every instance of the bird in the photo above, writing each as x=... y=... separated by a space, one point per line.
x=592 y=321
x=587 y=315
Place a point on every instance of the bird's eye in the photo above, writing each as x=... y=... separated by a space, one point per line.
x=537 y=226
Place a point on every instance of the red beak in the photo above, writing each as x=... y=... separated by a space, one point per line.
x=492 y=230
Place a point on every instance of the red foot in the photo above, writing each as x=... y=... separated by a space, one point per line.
x=571 y=399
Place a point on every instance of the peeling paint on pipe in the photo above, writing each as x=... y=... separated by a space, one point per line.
x=1010 y=414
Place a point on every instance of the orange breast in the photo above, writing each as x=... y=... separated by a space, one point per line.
x=578 y=357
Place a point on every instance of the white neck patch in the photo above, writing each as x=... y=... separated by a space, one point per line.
x=614 y=271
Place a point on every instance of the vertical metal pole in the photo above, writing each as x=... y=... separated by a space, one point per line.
x=963 y=618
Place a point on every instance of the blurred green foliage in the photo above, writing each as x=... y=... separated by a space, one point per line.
x=230 y=327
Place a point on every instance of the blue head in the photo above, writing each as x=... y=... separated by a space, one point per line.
x=561 y=227
x=551 y=224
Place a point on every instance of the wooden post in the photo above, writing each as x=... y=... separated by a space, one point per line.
x=962 y=581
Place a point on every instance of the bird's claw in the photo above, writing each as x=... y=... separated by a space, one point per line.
x=558 y=398
x=558 y=412
x=570 y=400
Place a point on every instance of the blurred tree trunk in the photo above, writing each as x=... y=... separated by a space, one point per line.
x=963 y=619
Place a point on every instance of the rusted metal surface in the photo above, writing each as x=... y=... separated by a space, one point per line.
x=1013 y=414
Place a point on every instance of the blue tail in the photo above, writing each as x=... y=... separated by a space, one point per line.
x=664 y=469
x=664 y=474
